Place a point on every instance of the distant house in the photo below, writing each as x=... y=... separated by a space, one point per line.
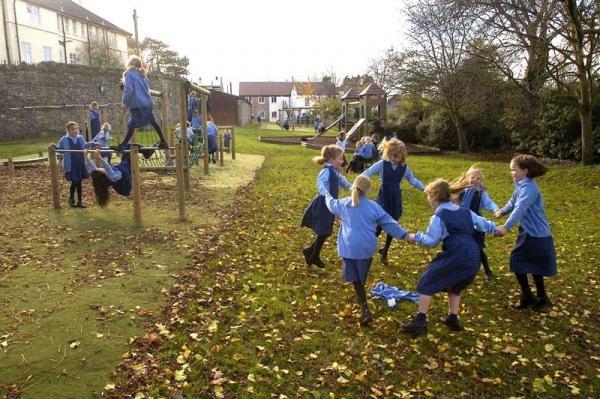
x=54 y=30
x=267 y=98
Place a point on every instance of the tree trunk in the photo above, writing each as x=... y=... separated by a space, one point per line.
x=460 y=131
x=587 y=134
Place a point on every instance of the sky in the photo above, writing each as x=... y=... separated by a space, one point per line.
x=264 y=40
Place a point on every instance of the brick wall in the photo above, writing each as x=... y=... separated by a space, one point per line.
x=59 y=84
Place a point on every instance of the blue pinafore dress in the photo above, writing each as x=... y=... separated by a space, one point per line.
x=533 y=255
x=78 y=170
x=123 y=186
x=475 y=205
x=457 y=265
x=317 y=216
x=390 y=194
x=95 y=122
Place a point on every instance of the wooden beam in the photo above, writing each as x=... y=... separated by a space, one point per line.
x=204 y=111
x=53 y=164
x=136 y=189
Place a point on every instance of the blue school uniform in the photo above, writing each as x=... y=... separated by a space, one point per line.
x=316 y=215
x=137 y=98
x=95 y=122
x=457 y=265
x=368 y=151
x=227 y=140
x=211 y=133
x=356 y=242
x=534 y=251
x=390 y=193
x=73 y=162
x=477 y=199
x=119 y=175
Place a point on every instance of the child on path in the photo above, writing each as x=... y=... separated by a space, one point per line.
x=534 y=251
x=95 y=118
x=227 y=140
x=392 y=169
x=316 y=216
x=73 y=162
x=102 y=138
x=342 y=143
x=137 y=98
x=453 y=269
x=474 y=196
x=356 y=242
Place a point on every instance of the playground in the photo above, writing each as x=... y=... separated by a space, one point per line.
x=222 y=305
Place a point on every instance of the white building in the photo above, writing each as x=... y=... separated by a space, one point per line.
x=54 y=30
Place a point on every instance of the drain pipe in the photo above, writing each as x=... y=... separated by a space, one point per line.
x=6 y=31
x=17 y=30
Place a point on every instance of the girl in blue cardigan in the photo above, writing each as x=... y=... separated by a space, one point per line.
x=74 y=162
x=356 y=241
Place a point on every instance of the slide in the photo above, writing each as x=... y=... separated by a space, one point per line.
x=350 y=135
x=338 y=120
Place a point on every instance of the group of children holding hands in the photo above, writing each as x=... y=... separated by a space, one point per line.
x=456 y=223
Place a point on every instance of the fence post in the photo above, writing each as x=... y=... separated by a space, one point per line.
x=41 y=154
x=183 y=134
x=180 y=183
x=136 y=186
x=204 y=111
x=232 y=142
x=11 y=166
x=54 y=176
x=220 y=150
x=164 y=102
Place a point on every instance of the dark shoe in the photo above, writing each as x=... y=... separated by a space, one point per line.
x=490 y=276
x=415 y=327
x=80 y=205
x=307 y=252
x=526 y=302
x=384 y=254
x=452 y=323
x=318 y=262
x=72 y=203
x=541 y=304
x=366 y=316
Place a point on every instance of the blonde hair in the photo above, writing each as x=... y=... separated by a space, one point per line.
x=367 y=139
x=440 y=190
x=462 y=181
x=361 y=185
x=106 y=126
x=328 y=152
x=341 y=136
x=135 y=62
x=94 y=104
x=70 y=125
x=390 y=148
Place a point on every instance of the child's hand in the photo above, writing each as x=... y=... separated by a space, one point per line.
x=97 y=154
x=410 y=238
x=501 y=231
x=498 y=213
x=85 y=151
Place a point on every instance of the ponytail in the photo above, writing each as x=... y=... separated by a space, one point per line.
x=360 y=187
x=356 y=193
x=328 y=153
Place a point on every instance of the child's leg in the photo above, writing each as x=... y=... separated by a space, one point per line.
x=424 y=303
x=418 y=325
x=156 y=127
x=361 y=294
x=318 y=245
x=453 y=303
x=130 y=130
x=72 y=192
x=384 y=251
x=486 y=265
x=542 y=296
x=527 y=298
x=79 y=192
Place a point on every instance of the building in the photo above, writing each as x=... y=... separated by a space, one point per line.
x=267 y=98
x=55 y=30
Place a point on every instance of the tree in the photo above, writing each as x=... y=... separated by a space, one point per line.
x=98 y=53
x=382 y=71
x=575 y=61
x=159 y=58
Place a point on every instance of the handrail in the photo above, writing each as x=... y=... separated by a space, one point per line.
x=199 y=89
x=355 y=128
x=155 y=93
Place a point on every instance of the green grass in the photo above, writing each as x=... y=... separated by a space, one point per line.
x=77 y=284
x=268 y=325
x=263 y=323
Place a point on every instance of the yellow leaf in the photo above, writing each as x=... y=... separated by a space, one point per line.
x=549 y=347
x=314 y=297
x=251 y=377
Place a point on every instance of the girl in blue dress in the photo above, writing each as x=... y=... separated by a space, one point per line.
x=74 y=162
x=474 y=196
x=95 y=118
x=102 y=138
x=356 y=242
x=137 y=99
x=316 y=216
x=534 y=251
x=392 y=169
x=453 y=269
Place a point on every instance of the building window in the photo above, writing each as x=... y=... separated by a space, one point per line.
x=248 y=99
x=273 y=99
x=72 y=58
x=74 y=27
x=112 y=38
x=61 y=56
x=306 y=102
x=47 y=53
x=67 y=25
x=58 y=25
x=82 y=29
x=261 y=114
x=33 y=14
x=274 y=114
x=26 y=49
x=261 y=100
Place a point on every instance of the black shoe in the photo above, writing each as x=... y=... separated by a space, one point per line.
x=526 y=302
x=490 y=276
x=384 y=254
x=541 y=303
x=452 y=323
x=80 y=205
x=415 y=327
x=318 y=262
x=366 y=316
x=72 y=203
x=307 y=252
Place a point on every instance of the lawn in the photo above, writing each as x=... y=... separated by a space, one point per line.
x=245 y=317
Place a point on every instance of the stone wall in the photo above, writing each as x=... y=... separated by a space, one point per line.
x=53 y=84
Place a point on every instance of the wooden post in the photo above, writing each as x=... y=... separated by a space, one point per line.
x=11 y=166
x=180 y=183
x=41 y=154
x=293 y=117
x=220 y=150
x=54 y=176
x=84 y=124
x=232 y=142
x=167 y=132
x=204 y=111
x=183 y=133
x=136 y=186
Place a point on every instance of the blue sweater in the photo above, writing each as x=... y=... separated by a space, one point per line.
x=136 y=93
x=527 y=208
x=63 y=144
x=356 y=238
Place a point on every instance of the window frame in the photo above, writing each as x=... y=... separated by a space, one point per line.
x=27 y=52
x=72 y=58
x=34 y=14
x=273 y=114
x=47 y=54
x=261 y=99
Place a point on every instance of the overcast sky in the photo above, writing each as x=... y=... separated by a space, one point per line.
x=262 y=40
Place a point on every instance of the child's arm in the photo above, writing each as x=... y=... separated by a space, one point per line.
x=482 y=224
x=436 y=231
x=416 y=183
x=389 y=225
x=508 y=207
x=62 y=143
x=323 y=182
x=335 y=206
x=344 y=182
x=487 y=203
x=128 y=89
x=374 y=169
x=525 y=198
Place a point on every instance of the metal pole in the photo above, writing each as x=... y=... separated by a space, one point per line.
x=54 y=176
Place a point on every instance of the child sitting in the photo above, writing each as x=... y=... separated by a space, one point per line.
x=102 y=138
